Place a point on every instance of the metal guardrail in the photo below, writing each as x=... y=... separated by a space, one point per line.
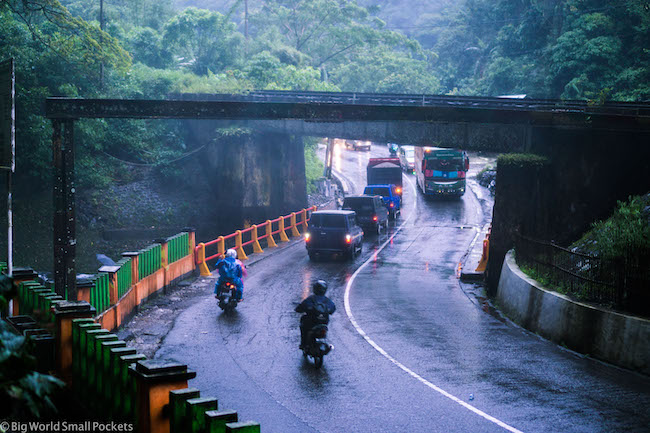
x=622 y=284
x=636 y=109
x=249 y=237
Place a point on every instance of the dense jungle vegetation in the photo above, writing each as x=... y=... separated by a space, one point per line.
x=587 y=49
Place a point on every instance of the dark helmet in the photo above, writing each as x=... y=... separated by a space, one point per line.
x=319 y=287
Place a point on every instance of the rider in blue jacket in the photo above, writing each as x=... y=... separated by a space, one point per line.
x=230 y=270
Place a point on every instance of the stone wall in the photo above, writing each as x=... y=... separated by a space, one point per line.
x=587 y=173
x=251 y=176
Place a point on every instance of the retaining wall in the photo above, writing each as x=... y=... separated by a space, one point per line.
x=613 y=337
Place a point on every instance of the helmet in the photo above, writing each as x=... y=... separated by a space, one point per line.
x=319 y=287
x=232 y=253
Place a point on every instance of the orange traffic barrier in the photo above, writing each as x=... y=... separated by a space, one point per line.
x=294 y=230
x=283 y=233
x=239 y=236
x=269 y=235
x=241 y=255
x=482 y=264
x=200 y=259
x=256 y=242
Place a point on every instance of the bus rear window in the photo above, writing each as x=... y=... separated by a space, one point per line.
x=445 y=164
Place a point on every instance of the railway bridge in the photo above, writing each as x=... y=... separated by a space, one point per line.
x=597 y=153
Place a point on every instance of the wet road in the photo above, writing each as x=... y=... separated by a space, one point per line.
x=415 y=350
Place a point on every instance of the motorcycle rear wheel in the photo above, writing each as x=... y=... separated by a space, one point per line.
x=318 y=361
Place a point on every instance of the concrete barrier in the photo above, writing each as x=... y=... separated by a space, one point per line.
x=613 y=337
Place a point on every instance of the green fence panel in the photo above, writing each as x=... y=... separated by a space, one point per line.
x=123 y=277
x=217 y=420
x=178 y=410
x=100 y=373
x=243 y=427
x=178 y=247
x=149 y=260
x=91 y=364
x=128 y=387
x=113 y=393
x=196 y=408
x=80 y=380
x=100 y=292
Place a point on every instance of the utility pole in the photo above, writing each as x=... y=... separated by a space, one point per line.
x=246 y=25
x=101 y=42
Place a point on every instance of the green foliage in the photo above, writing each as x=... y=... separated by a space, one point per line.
x=25 y=394
x=565 y=48
x=205 y=40
x=521 y=160
x=313 y=165
x=627 y=232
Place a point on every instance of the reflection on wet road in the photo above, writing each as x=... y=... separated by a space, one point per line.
x=430 y=335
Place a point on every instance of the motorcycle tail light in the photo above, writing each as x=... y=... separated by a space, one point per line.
x=307 y=236
x=374 y=218
x=348 y=238
x=323 y=333
x=399 y=190
x=392 y=205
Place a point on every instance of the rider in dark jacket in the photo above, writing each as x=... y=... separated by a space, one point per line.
x=311 y=306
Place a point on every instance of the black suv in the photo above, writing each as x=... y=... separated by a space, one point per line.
x=370 y=209
x=333 y=232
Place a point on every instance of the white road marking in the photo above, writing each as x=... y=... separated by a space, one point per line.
x=378 y=348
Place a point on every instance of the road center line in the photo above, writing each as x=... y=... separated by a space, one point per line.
x=379 y=349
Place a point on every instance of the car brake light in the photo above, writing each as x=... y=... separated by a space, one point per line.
x=374 y=218
x=307 y=236
x=348 y=238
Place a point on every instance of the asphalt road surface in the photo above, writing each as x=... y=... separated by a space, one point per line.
x=415 y=349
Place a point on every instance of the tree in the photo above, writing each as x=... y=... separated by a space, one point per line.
x=71 y=38
x=204 y=40
x=327 y=31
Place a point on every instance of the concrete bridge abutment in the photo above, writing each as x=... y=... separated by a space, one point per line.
x=251 y=175
x=585 y=174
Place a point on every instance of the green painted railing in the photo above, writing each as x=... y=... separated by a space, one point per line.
x=178 y=246
x=100 y=292
x=100 y=363
x=123 y=277
x=36 y=300
x=191 y=413
x=149 y=260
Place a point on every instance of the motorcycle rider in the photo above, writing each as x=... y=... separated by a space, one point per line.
x=230 y=269
x=317 y=309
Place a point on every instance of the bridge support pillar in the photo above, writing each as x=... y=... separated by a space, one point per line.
x=65 y=276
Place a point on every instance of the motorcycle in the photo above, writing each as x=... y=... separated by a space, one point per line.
x=317 y=346
x=227 y=300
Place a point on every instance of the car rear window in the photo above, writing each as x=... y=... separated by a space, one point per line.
x=380 y=190
x=358 y=203
x=327 y=220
